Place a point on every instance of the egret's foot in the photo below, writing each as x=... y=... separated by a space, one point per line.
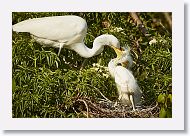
x=134 y=110
x=116 y=104
x=137 y=108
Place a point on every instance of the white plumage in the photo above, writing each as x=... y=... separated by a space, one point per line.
x=65 y=31
x=128 y=89
x=124 y=57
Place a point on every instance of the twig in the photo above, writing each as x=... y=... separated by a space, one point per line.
x=168 y=19
x=136 y=18
x=75 y=112
x=150 y=109
x=101 y=94
x=87 y=109
x=95 y=109
x=139 y=23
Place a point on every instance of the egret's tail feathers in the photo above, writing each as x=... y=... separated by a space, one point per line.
x=18 y=28
x=124 y=98
x=23 y=26
x=138 y=96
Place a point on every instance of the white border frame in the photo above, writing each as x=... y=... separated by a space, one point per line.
x=9 y=123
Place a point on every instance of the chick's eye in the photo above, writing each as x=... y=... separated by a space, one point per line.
x=119 y=64
x=121 y=49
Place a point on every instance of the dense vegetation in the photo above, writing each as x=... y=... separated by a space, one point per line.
x=45 y=84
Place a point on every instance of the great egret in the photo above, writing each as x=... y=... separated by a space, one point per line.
x=128 y=89
x=65 y=31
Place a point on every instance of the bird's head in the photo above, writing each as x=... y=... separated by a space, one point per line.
x=106 y=40
x=119 y=51
x=123 y=56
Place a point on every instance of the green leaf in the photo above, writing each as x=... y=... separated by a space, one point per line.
x=161 y=98
x=13 y=85
x=163 y=113
x=169 y=113
x=170 y=97
x=152 y=66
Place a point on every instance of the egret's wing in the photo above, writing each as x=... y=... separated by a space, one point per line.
x=138 y=95
x=58 y=28
x=124 y=77
x=127 y=83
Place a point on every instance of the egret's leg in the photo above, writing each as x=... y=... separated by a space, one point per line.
x=119 y=99
x=115 y=104
x=83 y=64
x=132 y=101
x=120 y=96
x=60 y=47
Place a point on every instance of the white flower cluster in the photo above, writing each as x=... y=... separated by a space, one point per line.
x=153 y=41
x=163 y=41
x=101 y=69
x=116 y=29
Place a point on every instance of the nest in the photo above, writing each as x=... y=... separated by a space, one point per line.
x=107 y=109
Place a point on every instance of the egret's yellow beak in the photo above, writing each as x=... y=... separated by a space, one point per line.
x=121 y=52
x=118 y=51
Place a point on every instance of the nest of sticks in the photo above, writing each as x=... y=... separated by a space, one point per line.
x=107 y=109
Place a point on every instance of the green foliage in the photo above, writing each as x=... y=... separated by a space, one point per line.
x=45 y=85
x=165 y=102
x=154 y=70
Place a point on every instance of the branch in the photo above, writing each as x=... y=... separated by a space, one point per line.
x=86 y=105
x=139 y=23
x=168 y=19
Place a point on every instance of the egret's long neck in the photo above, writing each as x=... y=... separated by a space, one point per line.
x=83 y=50
x=111 y=67
x=98 y=47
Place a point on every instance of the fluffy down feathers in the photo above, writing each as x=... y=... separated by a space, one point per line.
x=127 y=85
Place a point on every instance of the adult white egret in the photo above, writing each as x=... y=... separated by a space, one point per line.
x=128 y=89
x=65 y=31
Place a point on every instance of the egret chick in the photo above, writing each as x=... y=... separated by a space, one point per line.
x=128 y=89
x=65 y=31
